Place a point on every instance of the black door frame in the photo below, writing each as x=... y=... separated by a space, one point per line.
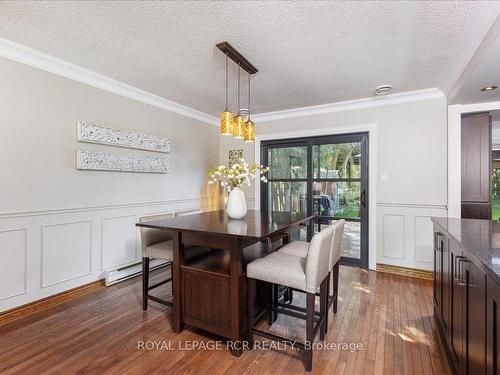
x=361 y=137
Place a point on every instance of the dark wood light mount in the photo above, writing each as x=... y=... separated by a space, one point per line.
x=237 y=57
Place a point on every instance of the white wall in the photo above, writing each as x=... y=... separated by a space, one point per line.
x=61 y=227
x=411 y=149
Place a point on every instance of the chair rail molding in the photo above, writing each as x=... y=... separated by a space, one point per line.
x=40 y=260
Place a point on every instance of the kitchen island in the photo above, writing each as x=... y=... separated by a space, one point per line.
x=467 y=293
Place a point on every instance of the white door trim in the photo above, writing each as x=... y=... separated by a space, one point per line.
x=455 y=113
x=371 y=129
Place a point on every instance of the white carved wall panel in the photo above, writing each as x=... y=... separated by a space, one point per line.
x=107 y=161
x=92 y=133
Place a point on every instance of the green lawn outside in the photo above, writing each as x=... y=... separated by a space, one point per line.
x=495 y=210
x=352 y=210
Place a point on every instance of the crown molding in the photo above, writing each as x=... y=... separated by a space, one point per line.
x=25 y=55
x=478 y=107
x=371 y=102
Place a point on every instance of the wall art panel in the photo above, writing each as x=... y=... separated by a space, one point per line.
x=91 y=133
x=106 y=161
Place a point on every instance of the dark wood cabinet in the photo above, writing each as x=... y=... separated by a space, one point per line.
x=463 y=310
x=492 y=328
x=476 y=165
x=473 y=280
x=457 y=321
x=441 y=279
x=476 y=211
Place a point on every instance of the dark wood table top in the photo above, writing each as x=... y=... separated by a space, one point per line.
x=255 y=225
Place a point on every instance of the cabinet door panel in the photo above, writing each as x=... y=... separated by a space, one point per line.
x=475 y=281
x=446 y=282
x=438 y=283
x=476 y=149
x=457 y=311
x=493 y=328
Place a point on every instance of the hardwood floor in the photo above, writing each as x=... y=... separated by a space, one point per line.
x=389 y=315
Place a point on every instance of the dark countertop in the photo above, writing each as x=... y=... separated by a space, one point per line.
x=480 y=237
x=255 y=225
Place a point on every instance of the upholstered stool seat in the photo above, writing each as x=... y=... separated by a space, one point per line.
x=280 y=268
x=158 y=244
x=304 y=274
x=165 y=251
x=301 y=248
x=297 y=248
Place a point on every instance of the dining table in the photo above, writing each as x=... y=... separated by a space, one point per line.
x=208 y=289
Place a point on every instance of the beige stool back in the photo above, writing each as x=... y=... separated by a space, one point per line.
x=318 y=259
x=336 y=246
x=151 y=236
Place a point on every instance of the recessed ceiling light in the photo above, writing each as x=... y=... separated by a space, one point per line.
x=383 y=90
x=489 y=88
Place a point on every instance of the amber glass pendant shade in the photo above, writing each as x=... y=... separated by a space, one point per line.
x=226 y=123
x=239 y=127
x=250 y=131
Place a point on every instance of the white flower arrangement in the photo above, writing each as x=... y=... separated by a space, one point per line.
x=238 y=174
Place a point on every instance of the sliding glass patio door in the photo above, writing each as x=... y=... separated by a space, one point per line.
x=326 y=176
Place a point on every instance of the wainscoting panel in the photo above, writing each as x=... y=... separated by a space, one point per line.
x=43 y=253
x=424 y=251
x=119 y=242
x=66 y=252
x=13 y=270
x=404 y=234
x=393 y=236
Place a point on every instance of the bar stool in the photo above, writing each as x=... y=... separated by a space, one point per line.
x=158 y=244
x=300 y=248
x=305 y=274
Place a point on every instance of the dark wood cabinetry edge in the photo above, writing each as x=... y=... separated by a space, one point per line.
x=445 y=353
x=489 y=273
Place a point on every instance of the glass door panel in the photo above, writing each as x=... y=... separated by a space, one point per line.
x=339 y=199
x=287 y=163
x=287 y=196
x=342 y=160
x=326 y=176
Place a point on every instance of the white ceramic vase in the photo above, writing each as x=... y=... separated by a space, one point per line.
x=236 y=204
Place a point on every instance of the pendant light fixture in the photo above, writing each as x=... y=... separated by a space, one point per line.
x=240 y=126
x=226 y=117
x=239 y=120
x=249 y=126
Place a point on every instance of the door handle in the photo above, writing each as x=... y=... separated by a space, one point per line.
x=461 y=277
x=456 y=268
x=363 y=198
x=437 y=242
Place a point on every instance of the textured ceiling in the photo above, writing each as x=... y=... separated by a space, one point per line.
x=307 y=53
x=486 y=73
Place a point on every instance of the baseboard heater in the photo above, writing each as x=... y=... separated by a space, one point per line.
x=122 y=274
